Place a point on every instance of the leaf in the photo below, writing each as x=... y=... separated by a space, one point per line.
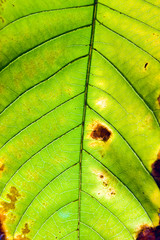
x=80 y=116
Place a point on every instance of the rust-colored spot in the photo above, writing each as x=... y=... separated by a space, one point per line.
x=25 y=231
x=149 y=233
x=105 y=183
x=156 y=171
x=2 y=168
x=145 y=66
x=101 y=176
x=13 y=197
x=113 y=193
x=105 y=187
x=100 y=132
x=158 y=99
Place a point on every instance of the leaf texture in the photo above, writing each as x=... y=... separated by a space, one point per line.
x=79 y=118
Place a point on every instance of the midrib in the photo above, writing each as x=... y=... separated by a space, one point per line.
x=84 y=108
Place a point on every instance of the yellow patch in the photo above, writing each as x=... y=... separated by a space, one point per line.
x=102 y=103
x=105 y=188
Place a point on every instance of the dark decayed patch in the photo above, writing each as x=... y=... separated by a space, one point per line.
x=158 y=99
x=100 y=132
x=145 y=66
x=156 y=171
x=2 y=232
x=149 y=233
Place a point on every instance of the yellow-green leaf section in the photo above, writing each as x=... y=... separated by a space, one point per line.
x=79 y=118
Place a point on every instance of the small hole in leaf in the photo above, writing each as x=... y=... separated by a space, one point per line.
x=100 y=132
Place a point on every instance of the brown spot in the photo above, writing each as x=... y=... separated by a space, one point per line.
x=145 y=66
x=113 y=193
x=100 y=132
x=158 y=99
x=101 y=176
x=25 y=231
x=154 y=34
x=149 y=233
x=13 y=197
x=156 y=171
x=2 y=19
x=2 y=168
x=105 y=184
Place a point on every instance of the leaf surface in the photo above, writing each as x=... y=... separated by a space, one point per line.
x=80 y=116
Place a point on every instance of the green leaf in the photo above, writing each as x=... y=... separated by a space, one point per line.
x=80 y=117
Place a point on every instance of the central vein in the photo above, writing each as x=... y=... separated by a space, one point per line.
x=84 y=109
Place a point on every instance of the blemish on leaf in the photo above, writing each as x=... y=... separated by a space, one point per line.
x=2 y=19
x=13 y=197
x=105 y=187
x=25 y=231
x=2 y=168
x=145 y=66
x=149 y=233
x=158 y=99
x=101 y=176
x=2 y=231
x=113 y=193
x=100 y=132
x=154 y=34
x=105 y=184
x=156 y=171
